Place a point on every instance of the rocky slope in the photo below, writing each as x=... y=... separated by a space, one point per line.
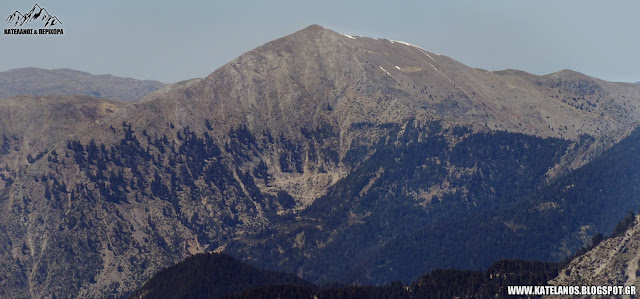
x=35 y=81
x=306 y=132
x=614 y=261
x=32 y=125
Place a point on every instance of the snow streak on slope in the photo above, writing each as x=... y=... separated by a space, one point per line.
x=411 y=45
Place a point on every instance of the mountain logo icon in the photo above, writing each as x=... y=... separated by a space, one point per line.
x=36 y=13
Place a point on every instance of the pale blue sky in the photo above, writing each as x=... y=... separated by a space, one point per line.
x=171 y=41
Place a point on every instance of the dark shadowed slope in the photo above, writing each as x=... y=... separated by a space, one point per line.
x=211 y=276
x=218 y=275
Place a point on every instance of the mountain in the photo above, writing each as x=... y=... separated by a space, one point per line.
x=35 y=81
x=328 y=156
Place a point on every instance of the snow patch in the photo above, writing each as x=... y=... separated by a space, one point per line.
x=517 y=87
x=425 y=53
x=398 y=67
x=404 y=43
x=385 y=71
x=411 y=45
x=349 y=36
x=434 y=67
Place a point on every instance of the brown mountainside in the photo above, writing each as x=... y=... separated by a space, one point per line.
x=31 y=125
x=381 y=81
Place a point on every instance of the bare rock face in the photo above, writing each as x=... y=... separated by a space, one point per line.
x=121 y=191
x=35 y=81
x=614 y=261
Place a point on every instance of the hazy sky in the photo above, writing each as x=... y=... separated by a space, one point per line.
x=172 y=41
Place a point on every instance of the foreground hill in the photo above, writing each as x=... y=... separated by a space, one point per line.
x=321 y=154
x=35 y=81
x=218 y=275
x=211 y=276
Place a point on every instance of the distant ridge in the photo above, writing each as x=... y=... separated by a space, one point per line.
x=36 y=82
x=37 y=12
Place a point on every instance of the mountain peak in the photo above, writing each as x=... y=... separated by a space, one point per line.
x=315 y=27
x=317 y=31
x=566 y=73
x=360 y=77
